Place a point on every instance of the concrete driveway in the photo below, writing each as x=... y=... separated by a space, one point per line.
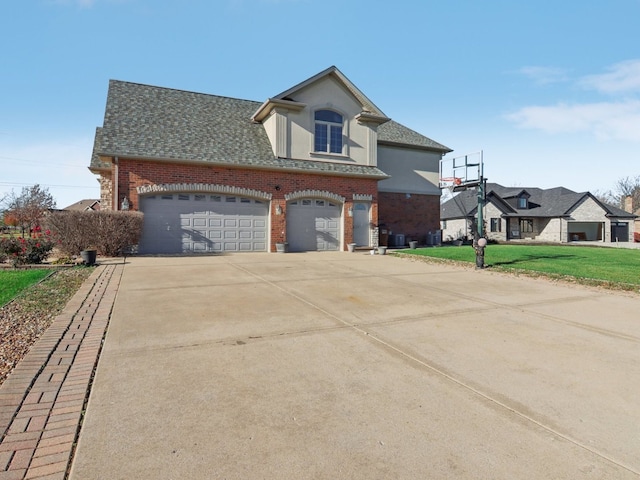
x=352 y=366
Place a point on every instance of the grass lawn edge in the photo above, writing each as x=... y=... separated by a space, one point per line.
x=568 y=279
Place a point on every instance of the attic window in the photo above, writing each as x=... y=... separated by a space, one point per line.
x=522 y=202
x=328 y=131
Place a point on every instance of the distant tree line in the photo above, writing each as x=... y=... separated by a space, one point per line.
x=623 y=188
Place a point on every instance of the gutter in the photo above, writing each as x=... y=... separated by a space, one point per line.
x=115 y=187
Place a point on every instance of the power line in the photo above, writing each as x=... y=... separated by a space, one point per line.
x=40 y=163
x=8 y=184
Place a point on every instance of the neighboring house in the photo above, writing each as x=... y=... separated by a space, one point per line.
x=628 y=207
x=318 y=166
x=552 y=215
x=83 y=205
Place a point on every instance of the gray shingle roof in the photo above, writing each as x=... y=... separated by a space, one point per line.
x=96 y=162
x=553 y=202
x=153 y=122
x=143 y=121
x=394 y=133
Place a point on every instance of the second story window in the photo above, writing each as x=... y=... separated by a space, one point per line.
x=328 y=131
x=522 y=202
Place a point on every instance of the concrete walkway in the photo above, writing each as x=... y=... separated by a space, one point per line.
x=337 y=365
x=42 y=401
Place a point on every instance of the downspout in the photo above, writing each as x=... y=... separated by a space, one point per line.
x=115 y=186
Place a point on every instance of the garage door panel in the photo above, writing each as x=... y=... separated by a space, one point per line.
x=313 y=224
x=201 y=223
x=200 y=247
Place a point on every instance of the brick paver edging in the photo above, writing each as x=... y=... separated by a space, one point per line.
x=42 y=401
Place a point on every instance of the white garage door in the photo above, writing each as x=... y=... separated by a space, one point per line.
x=202 y=223
x=313 y=224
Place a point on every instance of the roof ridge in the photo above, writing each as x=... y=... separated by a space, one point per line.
x=181 y=90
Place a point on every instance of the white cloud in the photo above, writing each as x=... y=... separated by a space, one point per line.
x=79 y=3
x=83 y=4
x=605 y=120
x=622 y=78
x=617 y=119
x=544 y=75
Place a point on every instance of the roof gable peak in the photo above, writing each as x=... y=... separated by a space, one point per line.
x=367 y=105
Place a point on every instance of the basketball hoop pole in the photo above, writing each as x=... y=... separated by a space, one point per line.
x=477 y=244
x=464 y=173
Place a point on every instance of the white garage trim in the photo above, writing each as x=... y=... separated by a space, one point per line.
x=203 y=187
x=314 y=194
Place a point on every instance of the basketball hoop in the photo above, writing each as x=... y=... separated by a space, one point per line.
x=448 y=182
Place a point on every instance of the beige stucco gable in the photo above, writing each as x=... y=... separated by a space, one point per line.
x=289 y=121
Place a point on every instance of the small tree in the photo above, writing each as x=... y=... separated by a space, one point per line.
x=628 y=187
x=29 y=208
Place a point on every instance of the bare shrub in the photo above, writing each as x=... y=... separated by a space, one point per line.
x=118 y=231
x=110 y=233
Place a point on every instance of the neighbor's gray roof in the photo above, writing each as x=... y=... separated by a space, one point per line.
x=543 y=203
x=143 y=121
x=82 y=205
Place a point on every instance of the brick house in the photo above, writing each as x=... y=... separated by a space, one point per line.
x=553 y=215
x=84 y=206
x=318 y=166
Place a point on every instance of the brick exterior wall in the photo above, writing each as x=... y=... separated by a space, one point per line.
x=413 y=215
x=135 y=173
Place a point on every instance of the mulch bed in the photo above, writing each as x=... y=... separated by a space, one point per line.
x=27 y=316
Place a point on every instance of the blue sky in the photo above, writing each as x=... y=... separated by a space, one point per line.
x=549 y=90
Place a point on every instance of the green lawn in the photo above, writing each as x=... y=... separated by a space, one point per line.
x=609 y=265
x=13 y=282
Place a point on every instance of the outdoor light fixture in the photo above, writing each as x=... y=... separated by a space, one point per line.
x=125 y=204
x=350 y=211
x=278 y=210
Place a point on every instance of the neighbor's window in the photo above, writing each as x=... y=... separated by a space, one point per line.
x=496 y=225
x=522 y=202
x=526 y=225
x=328 y=131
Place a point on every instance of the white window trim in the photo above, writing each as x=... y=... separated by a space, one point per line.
x=345 y=134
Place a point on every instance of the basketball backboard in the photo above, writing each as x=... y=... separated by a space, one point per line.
x=460 y=173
